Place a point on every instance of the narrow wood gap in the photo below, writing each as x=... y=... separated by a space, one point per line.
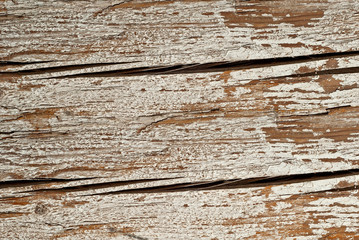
x=55 y=69
x=94 y=186
x=225 y=66
x=37 y=181
x=238 y=183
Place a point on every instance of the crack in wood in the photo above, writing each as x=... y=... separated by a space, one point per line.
x=32 y=132
x=56 y=69
x=10 y=107
x=37 y=181
x=224 y=66
x=153 y=123
x=133 y=236
x=180 y=112
x=110 y=7
x=327 y=112
x=15 y=63
x=172 y=116
x=94 y=186
x=238 y=183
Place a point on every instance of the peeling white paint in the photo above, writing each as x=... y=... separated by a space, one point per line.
x=253 y=122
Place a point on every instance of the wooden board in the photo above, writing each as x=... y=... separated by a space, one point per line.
x=188 y=119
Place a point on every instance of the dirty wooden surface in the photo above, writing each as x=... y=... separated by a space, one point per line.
x=179 y=119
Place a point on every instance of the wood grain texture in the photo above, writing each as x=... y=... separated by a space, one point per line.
x=179 y=119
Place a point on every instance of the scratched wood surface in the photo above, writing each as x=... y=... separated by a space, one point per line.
x=185 y=119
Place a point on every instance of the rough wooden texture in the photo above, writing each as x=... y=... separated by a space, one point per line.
x=179 y=119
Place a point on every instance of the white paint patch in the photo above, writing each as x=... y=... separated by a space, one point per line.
x=307 y=86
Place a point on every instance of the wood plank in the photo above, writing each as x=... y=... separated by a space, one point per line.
x=186 y=119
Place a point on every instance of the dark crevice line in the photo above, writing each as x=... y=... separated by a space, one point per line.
x=14 y=63
x=337 y=107
x=37 y=181
x=139 y=71
x=14 y=134
x=94 y=186
x=110 y=7
x=10 y=107
x=8 y=133
x=13 y=213
x=29 y=131
x=181 y=112
x=153 y=123
x=156 y=189
x=306 y=115
x=222 y=66
x=133 y=236
x=61 y=68
x=327 y=112
x=12 y=198
x=174 y=115
x=237 y=183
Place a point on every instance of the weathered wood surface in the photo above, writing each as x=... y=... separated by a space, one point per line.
x=179 y=119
